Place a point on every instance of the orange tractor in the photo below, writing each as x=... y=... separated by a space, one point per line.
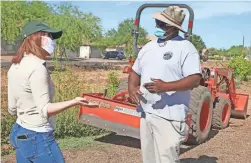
x=211 y=106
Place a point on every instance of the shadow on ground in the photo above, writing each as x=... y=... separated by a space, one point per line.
x=201 y=159
x=120 y=140
x=59 y=69
x=131 y=142
x=211 y=135
x=240 y=117
x=135 y=143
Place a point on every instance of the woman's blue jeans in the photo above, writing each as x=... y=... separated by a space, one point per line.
x=35 y=147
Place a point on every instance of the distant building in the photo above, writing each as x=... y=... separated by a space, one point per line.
x=88 y=51
x=8 y=48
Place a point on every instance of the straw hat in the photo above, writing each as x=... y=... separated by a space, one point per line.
x=172 y=15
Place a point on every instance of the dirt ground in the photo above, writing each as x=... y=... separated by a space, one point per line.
x=231 y=145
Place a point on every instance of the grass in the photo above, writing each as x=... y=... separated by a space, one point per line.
x=75 y=143
x=78 y=143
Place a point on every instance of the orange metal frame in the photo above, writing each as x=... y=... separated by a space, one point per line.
x=116 y=110
x=239 y=102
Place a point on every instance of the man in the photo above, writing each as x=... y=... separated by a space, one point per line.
x=166 y=70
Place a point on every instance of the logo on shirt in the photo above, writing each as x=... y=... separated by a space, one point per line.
x=168 y=55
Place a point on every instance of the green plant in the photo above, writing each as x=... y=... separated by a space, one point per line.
x=68 y=86
x=237 y=81
x=68 y=126
x=198 y=42
x=6 y=125
x=113 y=83
x=215 y=58
x=241 y=66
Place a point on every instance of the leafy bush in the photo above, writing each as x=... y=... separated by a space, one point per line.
x=6 y=125
x=241 y=66
x=6 y=120
x=68 y=86
x=217 y=58
x=113 y=83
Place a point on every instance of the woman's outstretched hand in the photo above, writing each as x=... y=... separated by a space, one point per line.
x=83 y=102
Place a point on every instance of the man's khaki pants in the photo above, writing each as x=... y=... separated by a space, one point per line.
x=161 y=139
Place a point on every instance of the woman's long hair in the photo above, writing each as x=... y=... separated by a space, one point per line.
x=31 y=45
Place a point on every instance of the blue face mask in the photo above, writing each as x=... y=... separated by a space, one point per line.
x=161 y=34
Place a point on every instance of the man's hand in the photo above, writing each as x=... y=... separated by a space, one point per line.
x=133 y=83
x=157 y=86
x=187 y=83
x=134 y=95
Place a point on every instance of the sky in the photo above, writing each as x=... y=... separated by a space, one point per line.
x=220 y=24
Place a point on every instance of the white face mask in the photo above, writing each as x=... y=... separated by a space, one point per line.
x=48 y=44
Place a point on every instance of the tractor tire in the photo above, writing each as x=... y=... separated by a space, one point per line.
x=123 y=86
x=221 y=113
x=201 y=108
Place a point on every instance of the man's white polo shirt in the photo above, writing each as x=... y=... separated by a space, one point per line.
x=171 y=62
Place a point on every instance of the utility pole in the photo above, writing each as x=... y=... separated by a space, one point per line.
x=243 y=41
x=249 y=52
x=243 y=47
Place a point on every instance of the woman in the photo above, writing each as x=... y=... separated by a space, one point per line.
x=30 y=94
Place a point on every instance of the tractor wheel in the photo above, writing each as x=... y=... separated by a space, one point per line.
x=201 y=108
x=221 y=113
x=123 y=86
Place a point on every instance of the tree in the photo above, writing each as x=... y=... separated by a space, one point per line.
x=125 y=29
x=222 y=52
x=212 y=52
x=111 y=33
x=198 y=42
x=123 y=36
x=234 y=51
x=78 y=27
x=16 y=14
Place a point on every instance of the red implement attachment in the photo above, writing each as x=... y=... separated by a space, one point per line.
x=113 y=115
x=240 y=106
x=128 y=69
x=224 y=86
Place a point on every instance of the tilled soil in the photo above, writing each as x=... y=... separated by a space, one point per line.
x=231 y=145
